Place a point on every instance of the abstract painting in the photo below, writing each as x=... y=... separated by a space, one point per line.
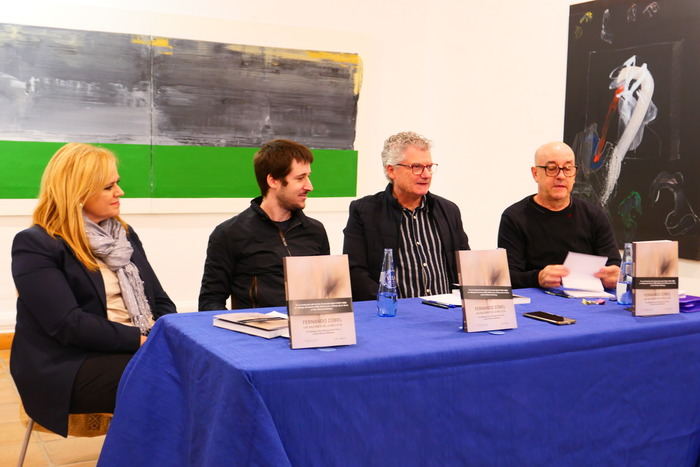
x=631 y=108
x=183 y=116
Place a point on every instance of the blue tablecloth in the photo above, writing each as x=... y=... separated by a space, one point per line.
x=612 y=389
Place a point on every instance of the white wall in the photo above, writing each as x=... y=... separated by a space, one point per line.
x=484 y=80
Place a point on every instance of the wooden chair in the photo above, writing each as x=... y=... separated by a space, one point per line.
x=85 y=425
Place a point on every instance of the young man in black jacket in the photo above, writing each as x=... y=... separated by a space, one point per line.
x=423 y=229
x=244 y=256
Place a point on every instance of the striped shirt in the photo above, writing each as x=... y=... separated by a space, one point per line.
x=421 y=268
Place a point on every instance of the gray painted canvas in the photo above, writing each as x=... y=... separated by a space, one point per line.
x=67 y=85
x=224 y=95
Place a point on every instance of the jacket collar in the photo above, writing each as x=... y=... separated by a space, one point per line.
x=394 y=203
x=298 y=216
x=98 y=283
x=94 y=276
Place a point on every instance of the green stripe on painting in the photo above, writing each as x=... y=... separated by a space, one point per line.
x=23 y=162
x=203 y=172
x=177 y=171
x=134 y=168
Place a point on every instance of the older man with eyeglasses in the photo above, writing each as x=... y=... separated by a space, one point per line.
x=539 y=230
x=423 y=230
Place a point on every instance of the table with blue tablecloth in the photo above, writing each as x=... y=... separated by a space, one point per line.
x=612 y=389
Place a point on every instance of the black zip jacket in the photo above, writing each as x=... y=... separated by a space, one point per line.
x=374 y=224
x=244 y=258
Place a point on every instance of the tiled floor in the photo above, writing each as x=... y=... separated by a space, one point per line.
x=45 y=449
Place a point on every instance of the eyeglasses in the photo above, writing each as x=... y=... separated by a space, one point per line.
x=418 y=169
x=552 y=170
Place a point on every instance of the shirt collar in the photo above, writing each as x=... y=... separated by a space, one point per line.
x=423 y=207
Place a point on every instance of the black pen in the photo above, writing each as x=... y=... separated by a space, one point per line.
x=436 y=304
x=260 y=320
x=556 y=294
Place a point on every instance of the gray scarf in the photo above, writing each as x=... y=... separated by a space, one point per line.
x=108 y=242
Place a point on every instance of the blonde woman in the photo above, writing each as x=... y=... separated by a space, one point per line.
x=87 y=294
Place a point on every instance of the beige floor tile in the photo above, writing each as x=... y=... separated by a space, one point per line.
x=81 y=464
x=8 y=393
x=13 y=433
x=5 y=375
x=5 y=356
x=74 y=450
x=36 y=456
x=46 y=436
x=9 y=412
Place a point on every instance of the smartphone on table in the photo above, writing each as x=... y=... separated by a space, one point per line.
x=549 y=317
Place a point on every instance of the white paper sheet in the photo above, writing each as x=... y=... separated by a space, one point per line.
x=582 y=268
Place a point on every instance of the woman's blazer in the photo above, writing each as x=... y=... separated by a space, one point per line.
x=62 y=317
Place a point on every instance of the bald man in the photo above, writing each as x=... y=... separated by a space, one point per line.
x=539 y=230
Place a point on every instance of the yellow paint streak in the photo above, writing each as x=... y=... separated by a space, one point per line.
x=162 y=44
x=336 y=57
x=273 y=55
x=246 y=49
x=357 y=77
x=13 y=32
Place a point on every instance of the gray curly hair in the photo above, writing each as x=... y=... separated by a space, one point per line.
x=395 y=145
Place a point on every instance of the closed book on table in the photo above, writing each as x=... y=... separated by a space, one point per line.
x=655 y=278
x=689 y=303
x=571 y=293
x=267 y=325
x=319 y=301
x=451 y=300
x=487 y=297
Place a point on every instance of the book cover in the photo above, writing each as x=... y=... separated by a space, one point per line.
x=487 y=297
x=655 y=278
x=267 y=325
x=319 y=301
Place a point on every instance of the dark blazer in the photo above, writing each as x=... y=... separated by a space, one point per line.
x=374 y=224
x=61 y=318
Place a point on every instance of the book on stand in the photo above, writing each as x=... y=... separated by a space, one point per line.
x=655 y=278
x=319 y=301
x=267 y=325
x=487 y=297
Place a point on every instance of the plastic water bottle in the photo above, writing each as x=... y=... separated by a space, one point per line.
x=386 y=295
x=624 y=283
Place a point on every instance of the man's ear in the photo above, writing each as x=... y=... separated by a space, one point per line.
x=272 y=182
x=390 y=171
x=533 y=169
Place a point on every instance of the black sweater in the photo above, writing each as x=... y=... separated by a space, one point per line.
x=536 y=237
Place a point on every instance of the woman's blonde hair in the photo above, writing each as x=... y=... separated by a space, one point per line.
x=74 y=174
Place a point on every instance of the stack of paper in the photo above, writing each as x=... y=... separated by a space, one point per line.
x=581 y=282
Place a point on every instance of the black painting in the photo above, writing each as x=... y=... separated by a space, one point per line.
x=631 y=109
